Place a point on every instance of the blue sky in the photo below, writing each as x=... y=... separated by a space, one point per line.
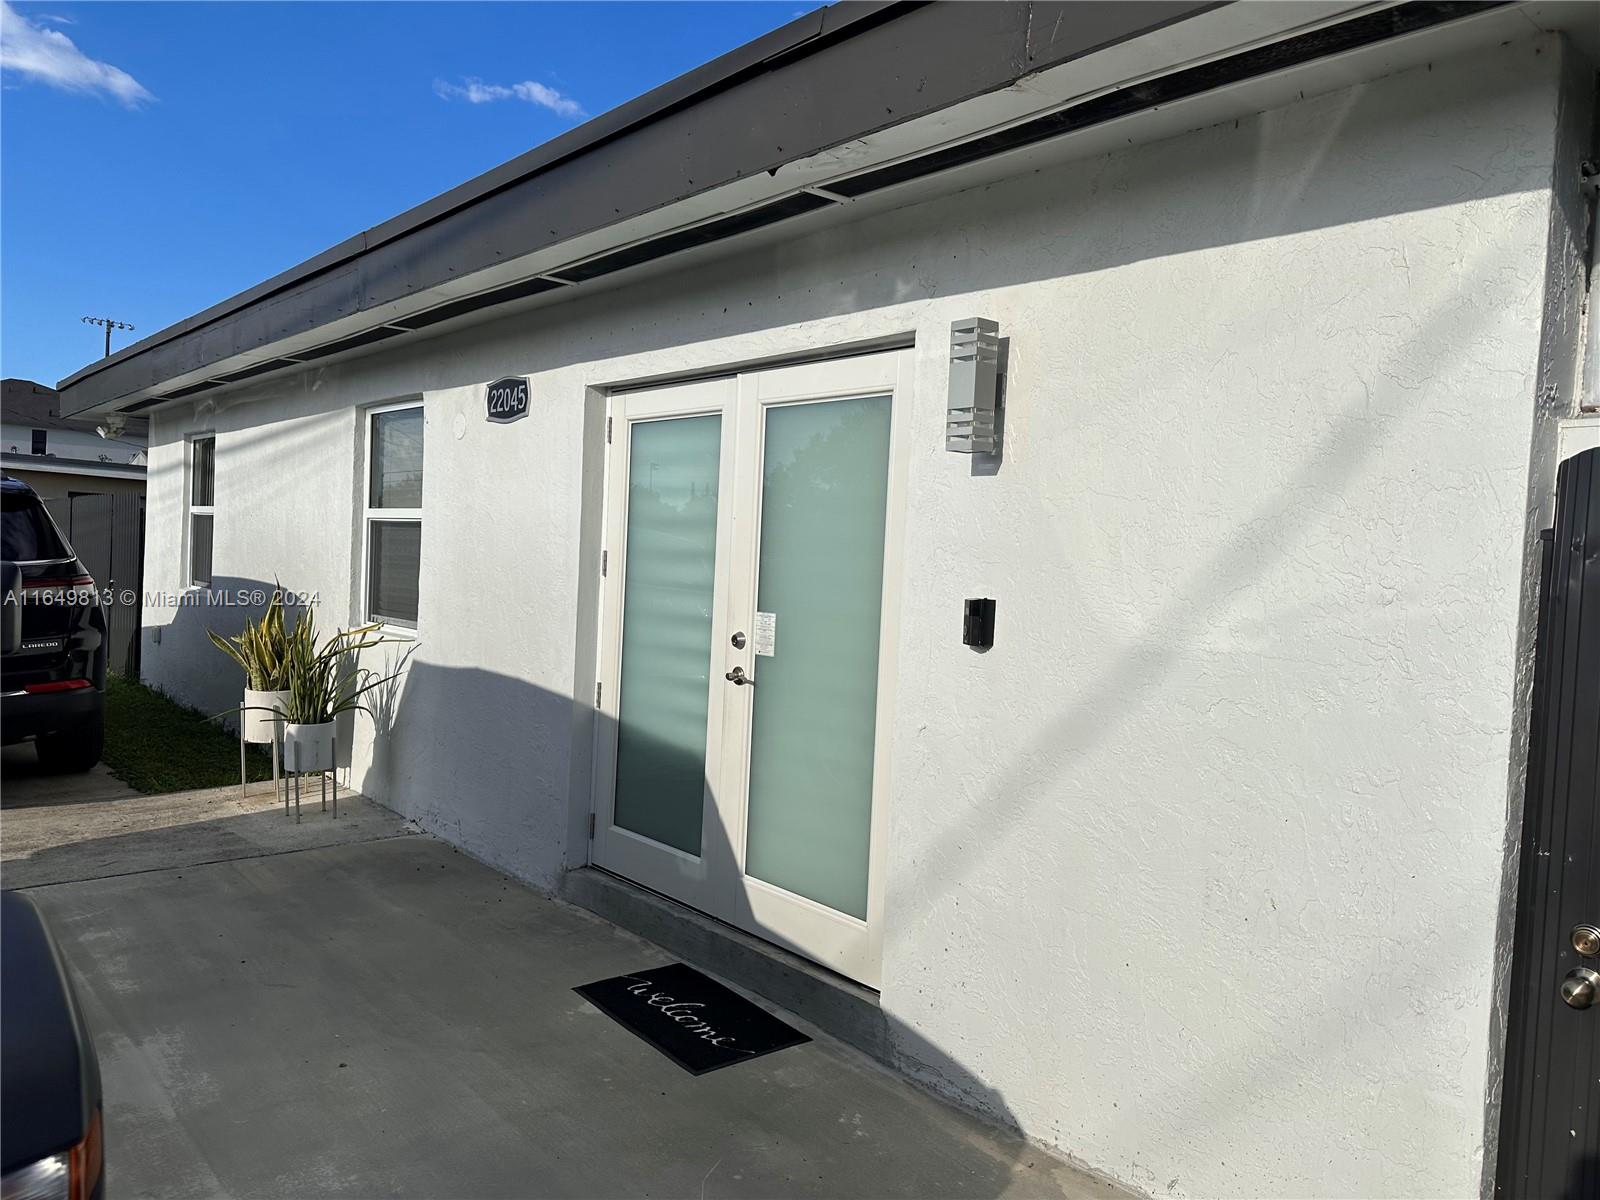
x=156 y=158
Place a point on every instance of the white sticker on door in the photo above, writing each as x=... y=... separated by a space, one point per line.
x=767 y=633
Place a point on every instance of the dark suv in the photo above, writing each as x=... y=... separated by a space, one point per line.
x=53 y=665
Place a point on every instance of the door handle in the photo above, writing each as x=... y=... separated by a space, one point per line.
x=1580 y=987
x=738 y=676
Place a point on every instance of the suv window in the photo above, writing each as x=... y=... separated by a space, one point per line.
x=27 y=534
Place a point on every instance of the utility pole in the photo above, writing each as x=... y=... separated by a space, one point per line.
x=110 y=325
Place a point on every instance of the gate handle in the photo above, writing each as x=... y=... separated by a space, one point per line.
x=1578 y=989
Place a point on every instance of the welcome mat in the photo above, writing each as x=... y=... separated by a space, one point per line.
x=693 y=1020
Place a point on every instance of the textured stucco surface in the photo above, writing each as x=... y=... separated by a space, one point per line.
x=1195 y=875
x=1557 y=398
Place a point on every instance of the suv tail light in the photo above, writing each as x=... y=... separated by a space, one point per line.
x=71 y=1175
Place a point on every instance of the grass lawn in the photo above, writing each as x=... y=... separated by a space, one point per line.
x=158 y=745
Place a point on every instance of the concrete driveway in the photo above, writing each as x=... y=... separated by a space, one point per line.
x=386 y=1017
x=66 y=828
x=27 y=784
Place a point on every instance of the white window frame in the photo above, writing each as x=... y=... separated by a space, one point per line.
x=193 y=510
x=370 y=514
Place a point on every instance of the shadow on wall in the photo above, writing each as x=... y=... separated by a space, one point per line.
x=479 y=757
x=496 y=704
x=1291 y=1041
x=474 y=755
x=471 y=724
x=486 y=759
x=459 y=751
x=178 y=658
x=482 y=759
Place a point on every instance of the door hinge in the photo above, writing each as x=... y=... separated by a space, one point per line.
x=608 y=431
x=604 y=557
x=597 y=695
x=591 y=827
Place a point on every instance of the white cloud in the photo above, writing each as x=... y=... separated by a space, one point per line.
x=48 y=56
x=476 y=91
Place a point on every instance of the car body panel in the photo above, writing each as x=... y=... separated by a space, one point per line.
x=56 y=625
x=49 y=1073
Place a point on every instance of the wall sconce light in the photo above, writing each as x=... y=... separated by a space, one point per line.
x=969 y=426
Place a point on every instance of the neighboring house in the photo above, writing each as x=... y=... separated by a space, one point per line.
x=61 y=456
x=1203 y=874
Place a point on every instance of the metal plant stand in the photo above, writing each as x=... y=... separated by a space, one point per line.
x=298 y=775
x=277 y=739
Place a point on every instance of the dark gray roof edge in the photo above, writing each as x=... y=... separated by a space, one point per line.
x=840 y=73
x=803 y=35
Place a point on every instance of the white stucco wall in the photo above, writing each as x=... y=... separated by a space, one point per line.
x=1195 y=875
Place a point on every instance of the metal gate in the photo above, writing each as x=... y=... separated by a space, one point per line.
x=107 y=535
x=1550 y=1118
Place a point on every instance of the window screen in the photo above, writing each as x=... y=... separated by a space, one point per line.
x=393 y=571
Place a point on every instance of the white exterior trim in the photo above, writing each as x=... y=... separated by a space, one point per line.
x=193 y=510
x=369 y=514
x=665 y=868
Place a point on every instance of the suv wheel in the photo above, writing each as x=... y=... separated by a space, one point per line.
x=75 y=749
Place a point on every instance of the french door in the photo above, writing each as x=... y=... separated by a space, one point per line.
x=745 y=652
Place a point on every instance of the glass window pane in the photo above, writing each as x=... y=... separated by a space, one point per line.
x=394 y=567
x=666 y=629
x=825 y=485
x=396 y=459
x=203 y=478
x=200 y=548
x=26 y=534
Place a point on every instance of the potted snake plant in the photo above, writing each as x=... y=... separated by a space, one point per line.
x=323 y=684
x=261 y=649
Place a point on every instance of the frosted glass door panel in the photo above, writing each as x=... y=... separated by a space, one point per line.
x=824 y=491
x=666 y=629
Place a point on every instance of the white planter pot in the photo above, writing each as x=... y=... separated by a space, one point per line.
x=260 y=725
x=308 y=747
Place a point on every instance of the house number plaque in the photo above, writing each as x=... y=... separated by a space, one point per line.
x=507 y=400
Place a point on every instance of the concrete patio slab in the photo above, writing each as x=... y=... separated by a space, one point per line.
x=392 y=1018
x=89 y=838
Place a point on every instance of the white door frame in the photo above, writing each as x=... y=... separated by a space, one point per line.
x=715 y=882
x=843 y=943
x=663 y=868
